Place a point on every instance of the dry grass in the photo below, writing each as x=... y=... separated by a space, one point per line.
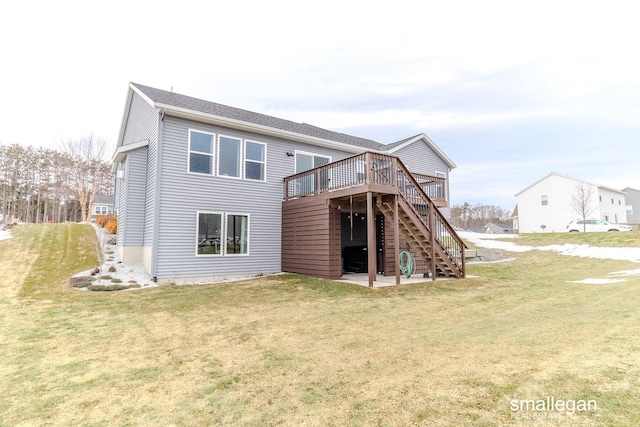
x=290 y=350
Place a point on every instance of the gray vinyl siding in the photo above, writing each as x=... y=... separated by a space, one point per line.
x=132 y=198
x=632 y=199
x=150 y=191
x=420 y=158
x=120 y=197
x=183 y=194
x=142 y=125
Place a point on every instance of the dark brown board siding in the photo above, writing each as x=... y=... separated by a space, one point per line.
x=311 y=239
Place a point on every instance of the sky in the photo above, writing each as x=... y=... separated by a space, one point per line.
x=510 y=91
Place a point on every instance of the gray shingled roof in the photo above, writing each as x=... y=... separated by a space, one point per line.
x=397 y=143
x=199 y=105
x=103 y=199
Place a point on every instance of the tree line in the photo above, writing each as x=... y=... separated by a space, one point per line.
x=53 y=185
x=467 y=216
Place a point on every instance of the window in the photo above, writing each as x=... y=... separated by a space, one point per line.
x=237 y=234
x=209 y=232
x=200 y=152
x=222 y=234
x=255 y=154
x=544 y=200
x=612 y=201
x=100 y=210
x=229 y=156
x=439 y=186
x=306 y=161
x=236 y=158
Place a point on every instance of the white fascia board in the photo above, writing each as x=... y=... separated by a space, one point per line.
x=125 y=114
x=121 y=151
x=430 y=143
x=264 y=130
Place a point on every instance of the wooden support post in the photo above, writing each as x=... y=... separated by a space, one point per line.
x=371 y=239
x=396 y=237
x=432 y=232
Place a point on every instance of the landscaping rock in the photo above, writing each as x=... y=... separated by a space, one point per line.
x=81 y=281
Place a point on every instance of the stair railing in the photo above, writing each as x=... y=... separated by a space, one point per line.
x=435 y=221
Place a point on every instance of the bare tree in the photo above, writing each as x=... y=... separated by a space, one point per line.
x=87 y=154
x=581 y=200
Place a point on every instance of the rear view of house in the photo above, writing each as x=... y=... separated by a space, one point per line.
x=205 y=191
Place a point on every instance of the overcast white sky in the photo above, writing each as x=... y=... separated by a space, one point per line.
x=510 y=90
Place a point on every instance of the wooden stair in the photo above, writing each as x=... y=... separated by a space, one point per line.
x=417 y=232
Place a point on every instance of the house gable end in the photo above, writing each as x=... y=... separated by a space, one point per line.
x=402 y=144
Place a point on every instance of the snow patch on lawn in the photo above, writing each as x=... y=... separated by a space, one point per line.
x=596 y=281
x=583 y=251
x=5 y=234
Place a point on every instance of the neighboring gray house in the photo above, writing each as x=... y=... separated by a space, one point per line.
x=102 y=205
x=200 y=188
x=491 y=228
x=632 y=198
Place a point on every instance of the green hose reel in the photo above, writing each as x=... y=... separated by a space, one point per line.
x=407 y=264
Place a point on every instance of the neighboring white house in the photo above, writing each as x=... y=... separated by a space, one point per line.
x=548 y=204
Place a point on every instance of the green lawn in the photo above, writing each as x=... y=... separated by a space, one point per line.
x=290 y=350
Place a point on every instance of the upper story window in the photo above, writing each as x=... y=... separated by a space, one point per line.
x=305 y=162
x=236 y=157
x=229 y=155
x=201 y=152
x=255 y=154
x=439 y=186
x=544 y=199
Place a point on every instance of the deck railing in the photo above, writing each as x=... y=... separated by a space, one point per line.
x=353 y=171
x=372 y=168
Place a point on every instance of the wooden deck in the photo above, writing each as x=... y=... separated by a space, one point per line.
x=368 y=184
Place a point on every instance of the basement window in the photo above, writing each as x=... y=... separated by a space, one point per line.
x=222 y=234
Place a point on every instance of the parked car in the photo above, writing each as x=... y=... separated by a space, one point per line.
x=595 y=225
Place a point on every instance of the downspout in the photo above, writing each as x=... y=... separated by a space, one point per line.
x=156 y=200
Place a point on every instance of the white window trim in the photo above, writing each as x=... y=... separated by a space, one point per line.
x=223 y=234
x=212 y=154
x=245 y=160
x=198 y=230
x=241 y=165
x=439 y=174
